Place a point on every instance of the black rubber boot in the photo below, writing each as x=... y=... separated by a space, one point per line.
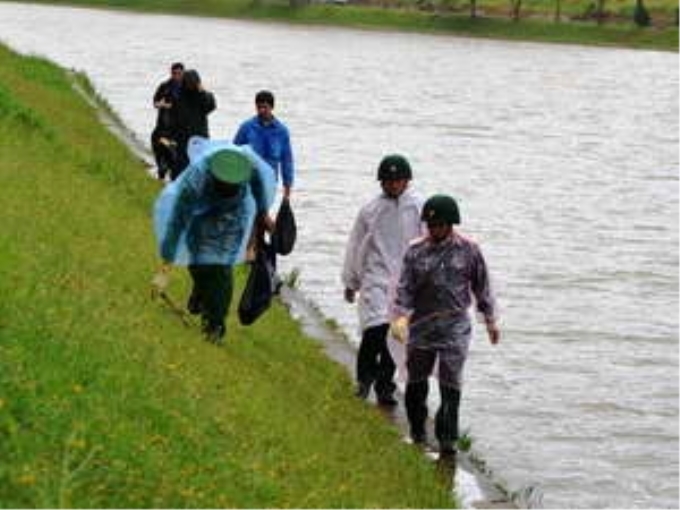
x=446 y=420
x=215 y=334
x=416 y=409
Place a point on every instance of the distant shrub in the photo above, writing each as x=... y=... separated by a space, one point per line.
x=641 y=15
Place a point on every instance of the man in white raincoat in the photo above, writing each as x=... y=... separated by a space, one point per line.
x=376 y=246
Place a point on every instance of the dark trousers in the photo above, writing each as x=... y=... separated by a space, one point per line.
x=211 y=295
x=374 y=361
x=181 y=156
x=446 y=419
x=165 y=156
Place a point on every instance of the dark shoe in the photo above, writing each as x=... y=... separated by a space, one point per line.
x=419 y=438
x=362 y=391
x=447 y=453
x=446 y=468
x=387 y=400
x=214 y=334
x=215 y=338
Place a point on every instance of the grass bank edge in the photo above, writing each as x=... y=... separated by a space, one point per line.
x=106 y=399
x=410 y=20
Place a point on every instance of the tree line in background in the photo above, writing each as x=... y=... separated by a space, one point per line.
x=595 y=10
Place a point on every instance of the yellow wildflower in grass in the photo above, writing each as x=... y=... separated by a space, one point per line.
x=77 y=444
x=77 y=388
x=158 y=439
x=187 y=492
x=26 y=479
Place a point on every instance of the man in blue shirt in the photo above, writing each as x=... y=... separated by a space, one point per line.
x=269 y=138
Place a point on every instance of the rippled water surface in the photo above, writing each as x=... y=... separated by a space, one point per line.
x=565 y=163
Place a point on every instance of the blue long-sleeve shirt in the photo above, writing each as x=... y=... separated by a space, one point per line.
x=272 y=142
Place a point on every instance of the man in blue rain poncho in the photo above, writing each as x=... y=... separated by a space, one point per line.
x=204 y=220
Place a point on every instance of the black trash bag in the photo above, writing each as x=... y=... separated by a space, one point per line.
x=259 y=289
x=285 y=229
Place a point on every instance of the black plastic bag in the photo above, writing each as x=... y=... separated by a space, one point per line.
x=259 y=289
x=285 y=229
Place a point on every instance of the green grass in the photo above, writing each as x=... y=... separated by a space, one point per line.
x=106 y=399
x=447 y=17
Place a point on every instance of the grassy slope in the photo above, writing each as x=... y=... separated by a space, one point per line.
x=106 y=400
x=492 y=23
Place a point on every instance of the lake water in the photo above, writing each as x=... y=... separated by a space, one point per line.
x=565 y=163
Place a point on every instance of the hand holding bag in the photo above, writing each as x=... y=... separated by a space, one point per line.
x=285 y=229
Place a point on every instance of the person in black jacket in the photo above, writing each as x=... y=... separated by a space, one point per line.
x=193 y=107
x=162 y=138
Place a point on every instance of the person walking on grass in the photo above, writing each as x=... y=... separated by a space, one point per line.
x=270 y=138
x=204 y=220
x=376 y=245
x=441 y=275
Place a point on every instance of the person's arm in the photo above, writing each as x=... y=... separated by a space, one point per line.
x=177 y=222
x=159 y=97
x=403 y=304
x=287 y=165
x=481 y=289
x=257 y=188
x=404 y=298
x=209 y=102
x=263 y=197
x=493 y=331
x=351 y=270
x=241 y=137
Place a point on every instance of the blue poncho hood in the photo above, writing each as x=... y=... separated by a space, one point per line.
x=194 y=224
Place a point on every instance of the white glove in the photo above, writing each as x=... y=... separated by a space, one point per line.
x=399 y=329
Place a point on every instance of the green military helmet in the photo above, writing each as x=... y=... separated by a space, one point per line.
x=230 y=166
x=393 y=168
x=441 y=208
